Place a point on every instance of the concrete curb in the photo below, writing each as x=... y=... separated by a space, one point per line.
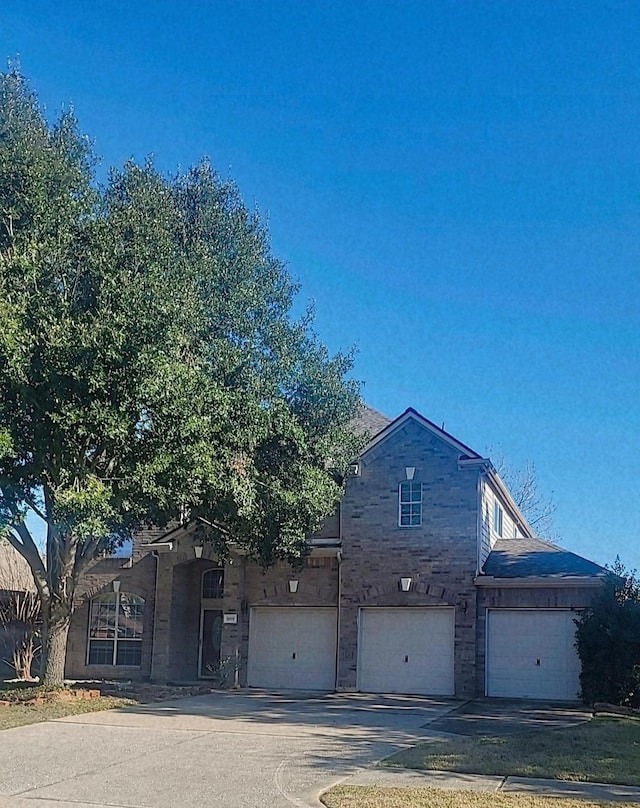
x=457 y=781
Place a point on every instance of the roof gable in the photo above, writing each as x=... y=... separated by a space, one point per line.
x=413 y=415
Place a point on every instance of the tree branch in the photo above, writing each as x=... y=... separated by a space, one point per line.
x=25 y=546
x=31 y=503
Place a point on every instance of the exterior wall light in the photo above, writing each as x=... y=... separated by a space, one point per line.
x=293 y=587
x=115 y=585
x=198 y=550
x=405 y=584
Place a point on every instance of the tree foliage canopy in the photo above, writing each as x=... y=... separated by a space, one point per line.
x=149 y=363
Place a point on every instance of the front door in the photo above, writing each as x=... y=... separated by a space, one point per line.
x=210 y=637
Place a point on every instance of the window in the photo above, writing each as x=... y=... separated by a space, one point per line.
x=497 y=518
x=213 y=583
x=410 y=504
x=115 y=630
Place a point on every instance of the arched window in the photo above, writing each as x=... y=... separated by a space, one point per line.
x=213 y=583
x=410 y=504
x=115 y=629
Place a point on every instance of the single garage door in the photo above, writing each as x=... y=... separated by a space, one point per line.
x=406 y=650
x=292 y=647
x=531 y=654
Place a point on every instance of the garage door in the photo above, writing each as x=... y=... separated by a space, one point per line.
x=406 y=651
x=292 y=647
x=531 y=654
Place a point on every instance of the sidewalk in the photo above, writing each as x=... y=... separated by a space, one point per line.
x=409 y=778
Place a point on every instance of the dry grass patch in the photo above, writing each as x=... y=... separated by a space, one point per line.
x=32 y=704
x=604 y=750
x=375 y=797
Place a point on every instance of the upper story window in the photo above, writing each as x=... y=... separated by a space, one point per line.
x=213 y=583
x=115 y=629
x=410 y=504
x=497 y=518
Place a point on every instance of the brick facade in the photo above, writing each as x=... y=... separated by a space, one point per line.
x=363 y=555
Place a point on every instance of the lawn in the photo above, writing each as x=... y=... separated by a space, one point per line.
x=604 y=750
x=63 y=701
x=54 y=704
x=374 y=797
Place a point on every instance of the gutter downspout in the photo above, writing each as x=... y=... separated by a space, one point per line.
x=479 y=525
x=338 y=620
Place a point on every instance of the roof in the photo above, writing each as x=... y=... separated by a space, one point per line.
x=410 y=414
x=15 y=572
x=370 y=421
x=535 y=558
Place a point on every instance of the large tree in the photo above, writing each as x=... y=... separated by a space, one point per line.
x=149 y=364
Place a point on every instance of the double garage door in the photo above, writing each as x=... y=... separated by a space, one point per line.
x=531 y=654
x=400 y=650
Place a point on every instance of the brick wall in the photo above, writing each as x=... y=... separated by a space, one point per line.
x=138 y=579
x=439 y=555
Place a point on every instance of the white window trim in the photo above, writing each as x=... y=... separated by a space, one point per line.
x=412 y=484
x=498 y=519
x=205 y=572
x=115 y=639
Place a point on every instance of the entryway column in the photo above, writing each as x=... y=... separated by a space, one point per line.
x=162 y=618
x=233 y=650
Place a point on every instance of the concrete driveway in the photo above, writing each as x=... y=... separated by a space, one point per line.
x=238 y=750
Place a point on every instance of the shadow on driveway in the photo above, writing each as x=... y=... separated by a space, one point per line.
x=507 y=717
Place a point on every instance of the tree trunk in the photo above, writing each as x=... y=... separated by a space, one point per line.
x=55 y=630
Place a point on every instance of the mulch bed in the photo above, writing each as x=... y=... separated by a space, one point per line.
x=35 y=696
x=145 y=693
x=136 y=691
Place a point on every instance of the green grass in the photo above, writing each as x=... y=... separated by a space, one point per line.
x=604 y=750
x=375 y=797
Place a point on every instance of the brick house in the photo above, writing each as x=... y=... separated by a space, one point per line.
x=427 y=580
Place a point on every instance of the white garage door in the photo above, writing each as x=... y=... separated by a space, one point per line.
x=531 y=654
x=292 y=647
x=406 y=651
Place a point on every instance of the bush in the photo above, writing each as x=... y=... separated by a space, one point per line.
x=608 y=642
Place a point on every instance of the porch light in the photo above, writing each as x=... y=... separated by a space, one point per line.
x=198 y=550
x=293 y=587
x=405 y=584
x=115 y=585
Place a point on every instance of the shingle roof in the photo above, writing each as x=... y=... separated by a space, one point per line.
x=15 y=573
x=370 y=421
x=535 y=558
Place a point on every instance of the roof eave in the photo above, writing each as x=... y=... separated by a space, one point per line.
x=539 y=581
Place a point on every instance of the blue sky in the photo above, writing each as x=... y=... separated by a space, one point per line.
x=455 y=185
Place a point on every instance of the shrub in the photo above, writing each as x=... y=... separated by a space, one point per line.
x=608 y=642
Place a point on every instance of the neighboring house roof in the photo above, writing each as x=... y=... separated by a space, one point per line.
x=534 y=558
x=370 y=421
x=15 y=572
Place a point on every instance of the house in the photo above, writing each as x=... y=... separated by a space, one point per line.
x=17 y=594
x=427 y=580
